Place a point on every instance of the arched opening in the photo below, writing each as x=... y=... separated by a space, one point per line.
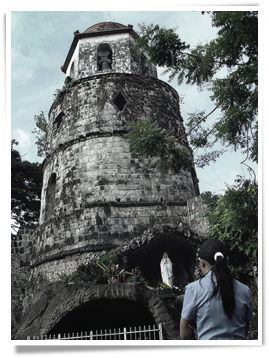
x=58 y=120
x=148 y=257
x=50 y=196
x=104 y=314
x=104 y=57
x=144 y=65
x=72 y=70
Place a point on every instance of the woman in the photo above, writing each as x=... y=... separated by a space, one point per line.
x=216 y=307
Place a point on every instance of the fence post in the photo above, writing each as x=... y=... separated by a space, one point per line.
x=59 y=336
x=91 y=334
x=124 y=334
x=160 y=331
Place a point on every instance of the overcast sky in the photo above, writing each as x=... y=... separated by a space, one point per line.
x=40 y=41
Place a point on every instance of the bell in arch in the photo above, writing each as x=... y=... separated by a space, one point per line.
x=104 y=60
x=105 y=66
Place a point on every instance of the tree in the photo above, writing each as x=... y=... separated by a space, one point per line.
x=41 y=131
x=42 y=124
x=234 y=219
x=26 y=183
x=147 y=139
x=233 y=53
x=211 y=201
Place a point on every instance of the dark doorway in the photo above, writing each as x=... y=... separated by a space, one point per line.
x=104 y=314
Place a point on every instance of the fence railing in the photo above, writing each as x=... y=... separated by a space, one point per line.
x=140 y=333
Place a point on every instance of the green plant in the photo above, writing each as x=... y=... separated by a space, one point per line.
x=30 y=283
x=63 y=276
x=229 y=71
x=112 y=255
x=113 y=271
x=148 y=139
x=26 y=184
x=90 y=272
x=254 y=322
x=41 y=131
x=136 y=273
x=235 y=271
x=235 y=220
x=60 y=93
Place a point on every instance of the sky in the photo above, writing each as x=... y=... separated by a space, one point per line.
x=40 y=41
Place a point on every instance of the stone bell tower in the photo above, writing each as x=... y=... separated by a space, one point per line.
x=97 y=195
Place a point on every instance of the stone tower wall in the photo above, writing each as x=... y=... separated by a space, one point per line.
x=196 y=216
x=89 y=108
x=96 y=193
x=34 y=264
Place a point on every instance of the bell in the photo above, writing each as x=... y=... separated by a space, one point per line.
x=105 y=66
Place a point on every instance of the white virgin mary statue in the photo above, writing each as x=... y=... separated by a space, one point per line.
x=166 y=270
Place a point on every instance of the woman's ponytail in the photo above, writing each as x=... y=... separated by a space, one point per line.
x=214 y=252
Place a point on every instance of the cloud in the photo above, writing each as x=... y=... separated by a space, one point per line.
x=23 y=138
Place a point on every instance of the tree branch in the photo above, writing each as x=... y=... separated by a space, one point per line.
x=197 y=124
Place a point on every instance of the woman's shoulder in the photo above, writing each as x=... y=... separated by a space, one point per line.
x=198 y=284
x=241 y=287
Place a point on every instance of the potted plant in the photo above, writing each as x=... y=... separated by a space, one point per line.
x=136 y=274
x=112 y=272
x=90 y=272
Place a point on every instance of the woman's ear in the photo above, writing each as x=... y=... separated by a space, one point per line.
x=202 y=262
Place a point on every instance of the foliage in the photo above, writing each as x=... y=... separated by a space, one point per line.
x=42 y=124
x=235 y=219
x=254 y=323
x=85 y=273
x=211 y=201
x=73 y=277
x=111 y=255
x=90 y=272
x=147 y=139
x=162 y=45
x=235 y=271
x=60 y=93
x=26 y=183
x=98 y=272
x=136 y=274
x=113 y=271
x=41 y=131
x=227 y=66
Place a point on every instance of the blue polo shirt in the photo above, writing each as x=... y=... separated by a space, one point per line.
x=212 y=323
